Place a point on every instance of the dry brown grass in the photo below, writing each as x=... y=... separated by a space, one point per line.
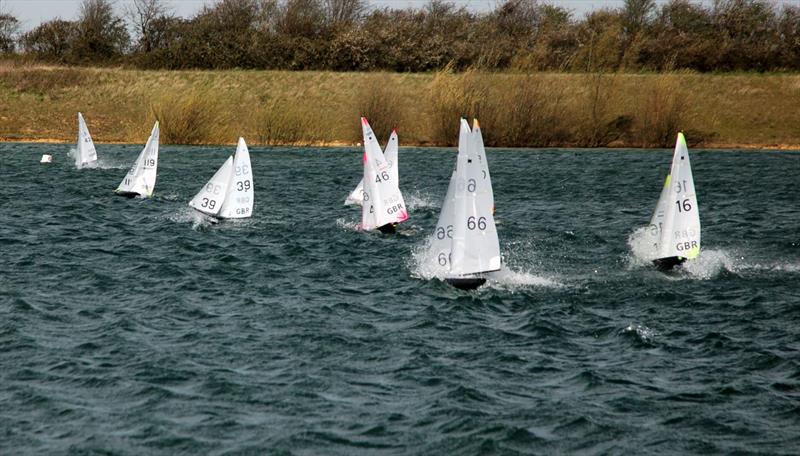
x=187 y=117
x=279 y=107
x=381 y=105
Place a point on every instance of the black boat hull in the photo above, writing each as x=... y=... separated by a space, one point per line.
x=389 y=228
x=668 y=263
x=466 y=283
x=127 y=194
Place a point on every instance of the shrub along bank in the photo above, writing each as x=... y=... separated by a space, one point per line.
x=300 y=108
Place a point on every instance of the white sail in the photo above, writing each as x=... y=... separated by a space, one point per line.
x=239 y=198
x=657 y=220
x=476 y=247
x=356 y=196
x=210 y=198
x=85 y=153
x=390 y=152
x=392 y=147
x=141 y=178
x=441 y=242
x=676 y=221
x=479 y=152
x=383 y=202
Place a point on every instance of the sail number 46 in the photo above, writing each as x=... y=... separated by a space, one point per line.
x=383 y=176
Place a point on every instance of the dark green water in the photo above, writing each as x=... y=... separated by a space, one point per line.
x=132 y=327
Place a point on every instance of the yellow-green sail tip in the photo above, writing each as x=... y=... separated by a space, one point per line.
x=681 y=138
x=693 y=253
x=666 y=181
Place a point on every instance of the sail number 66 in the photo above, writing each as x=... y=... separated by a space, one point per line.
x=441 y=233
x=481 y=223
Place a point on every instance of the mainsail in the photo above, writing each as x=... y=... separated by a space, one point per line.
x=85 y=153
x=383 y=202
x=480 y=153
x=141 y=179
x=441 y=243
x=476 y=247
x=230 y=193
x=210 y=198
x=390 y=153
x=239 y=199
x=675 y=225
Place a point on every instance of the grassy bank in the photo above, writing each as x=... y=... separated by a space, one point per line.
x=278 y=107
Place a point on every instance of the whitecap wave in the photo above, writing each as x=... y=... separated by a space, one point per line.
x=195 y=218
x=510 y=279
x=423 y=265
x=348 y=225
x=101 y=163
x=642 y=247
x=709 y=264
x=641 y=332
x=105 y=163
x=417 y=200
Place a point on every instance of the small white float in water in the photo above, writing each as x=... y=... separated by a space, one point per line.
x=46 y=159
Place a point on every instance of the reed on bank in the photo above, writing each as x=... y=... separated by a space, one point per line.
x=304 y=108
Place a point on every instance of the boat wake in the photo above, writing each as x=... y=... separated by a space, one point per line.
x=104 y=163
x=642 y=247
x=348 y=225
x=709 y=264
x=101 y=163
x=188 y=215
x=640 y=333
x=509 y=279
x=422 y=265
x=418 y=200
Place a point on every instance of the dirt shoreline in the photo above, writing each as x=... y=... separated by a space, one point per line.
x=717 y=146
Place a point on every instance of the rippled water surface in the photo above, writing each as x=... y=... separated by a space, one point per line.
x=136 y=327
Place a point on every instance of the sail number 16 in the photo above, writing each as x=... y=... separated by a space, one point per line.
x=684 y=206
